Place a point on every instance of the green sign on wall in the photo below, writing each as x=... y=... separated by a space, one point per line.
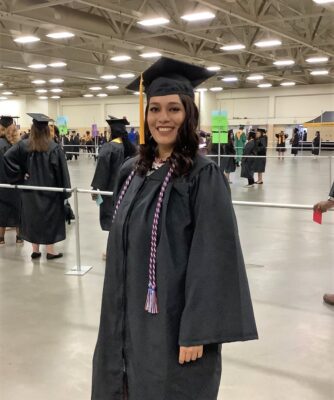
x=219 y=126
x=61 y=123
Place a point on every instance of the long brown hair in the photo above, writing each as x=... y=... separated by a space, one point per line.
x=185 y=148
x=40 y=138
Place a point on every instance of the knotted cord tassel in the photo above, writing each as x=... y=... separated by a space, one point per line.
x=141 y=111
x=151 y=305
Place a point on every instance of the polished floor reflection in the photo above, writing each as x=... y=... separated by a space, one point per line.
x=49 y=321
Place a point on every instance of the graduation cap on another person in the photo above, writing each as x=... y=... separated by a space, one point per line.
x=39 y=120
x=167 y=76
x=6 y=120
x=112 y=121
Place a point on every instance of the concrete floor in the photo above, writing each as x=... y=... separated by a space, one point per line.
x=49 y=321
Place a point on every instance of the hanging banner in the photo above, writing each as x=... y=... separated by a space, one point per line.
x=95 y=132
x=62 y=122
x=219 y=126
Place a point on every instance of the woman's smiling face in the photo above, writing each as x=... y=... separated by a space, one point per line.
x=165 y=116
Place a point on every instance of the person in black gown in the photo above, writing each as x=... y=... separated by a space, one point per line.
x=248 y=163
x=228 y=164
x=261 y=141
x=175 y=283
x=295 y=142
x=39 y=161
x=10 y=200
x=109 y=162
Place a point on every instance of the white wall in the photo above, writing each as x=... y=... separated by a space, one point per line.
x=281 y=105
x=259 y=106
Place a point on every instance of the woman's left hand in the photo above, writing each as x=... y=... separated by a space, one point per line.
x=188 y=354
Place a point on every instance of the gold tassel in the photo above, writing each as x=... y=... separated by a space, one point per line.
x=141 y=112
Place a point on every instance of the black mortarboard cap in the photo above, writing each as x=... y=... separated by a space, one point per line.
x=112 y=121
x=39 y=120
x=167 y=76
x=6 y=120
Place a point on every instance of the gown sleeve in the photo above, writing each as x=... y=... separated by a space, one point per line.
x=218 y=306
x=101 y=175
x=331 y=193
x=61 y=170
x=15 y=163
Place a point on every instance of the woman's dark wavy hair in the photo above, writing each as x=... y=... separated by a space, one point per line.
x=129 y=149
x=186 y=146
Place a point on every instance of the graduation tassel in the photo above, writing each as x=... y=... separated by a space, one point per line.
x=151 y=304
x=141 y=111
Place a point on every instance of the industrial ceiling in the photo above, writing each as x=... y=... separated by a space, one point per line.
x=300 y=31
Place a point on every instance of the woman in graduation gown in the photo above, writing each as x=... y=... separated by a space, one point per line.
x=110 y=159
x=295 y=142
x=39 y=161
x=248 y=163
x=240 y=140
x=228 y=164
x=175 y=284
x=10 y=200
x=260 y=162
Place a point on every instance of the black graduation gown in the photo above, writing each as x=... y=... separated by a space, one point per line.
x=42 y=213
x=261 y=161
x=203 y=293
x=315 y=146
x=295 y=144
x=109 y=162
x=248 y=163
x=228 y=164
x=10 y=200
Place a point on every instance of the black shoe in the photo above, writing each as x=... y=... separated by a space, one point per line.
x=50 y=256
x=36 y=254
x=19 y=240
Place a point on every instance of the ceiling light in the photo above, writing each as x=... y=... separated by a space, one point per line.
x=3 y=98
x=120 y=58
x=231 y=47
x=88 y=95
x=153 y=54
x=136 y=93
x=41 y=91
x=313 y=60
x=38 y=82
x=108 y=77
x=264 y=85
x=43 y=97
x=268 y=43
x=7 y=93
x=55 y=97
x=203 y=89
x=37 y=66
x=102 y=95
x=60 y=35
x=1 y=84
x=27 y=39
x=112 y=87
x=214 y=68
x=125 y=76
x=95 y=88
x=254 y=77
x=320 y=72
x=198 y=16
x=288 y=83
x=153 y=21
x=56 y=90
x=57 y=64
x=56 y=80
x=323 y=1
x=230 y=79
x=216 y=89
x=281 y=63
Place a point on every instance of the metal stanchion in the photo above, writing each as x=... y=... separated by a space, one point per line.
x=78 y=269
x=330 y=172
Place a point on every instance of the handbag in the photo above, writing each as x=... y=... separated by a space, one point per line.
x=69 y=214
